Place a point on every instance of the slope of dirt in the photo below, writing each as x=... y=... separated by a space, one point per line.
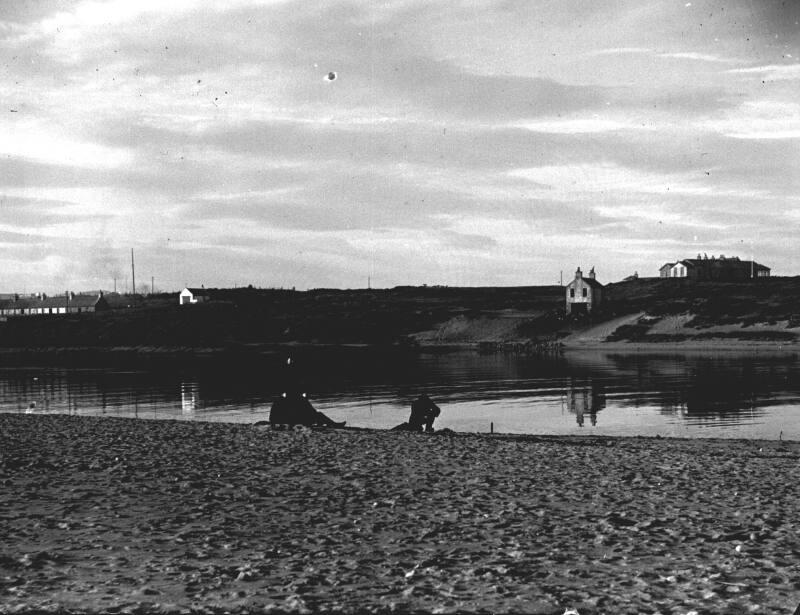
x=497 y=327
x=598 y=333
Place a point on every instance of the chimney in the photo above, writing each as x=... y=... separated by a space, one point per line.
x=578 y=274
x=591 y=273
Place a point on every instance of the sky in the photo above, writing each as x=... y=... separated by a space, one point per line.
x=339 y=144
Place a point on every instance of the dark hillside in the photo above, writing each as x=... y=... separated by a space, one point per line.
x=256 y=316
x=238 y=318
x=712 y=303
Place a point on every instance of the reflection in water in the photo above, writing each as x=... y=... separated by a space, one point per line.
x=189 y=398
x=605 y=393
x=586 y=400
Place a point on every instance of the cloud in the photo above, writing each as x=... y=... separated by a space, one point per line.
x=772 y=72
x=619 y=51
x=572 y=181
x=644 y=213
x=676 y=55
x=447 y=148
x=693 y=55
x=468 y=241
x=762 y=119
x=576 y=125
x=37 y=141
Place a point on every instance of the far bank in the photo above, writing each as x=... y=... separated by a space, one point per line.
x=642 y=313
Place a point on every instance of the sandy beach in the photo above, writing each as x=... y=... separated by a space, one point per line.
x=138 y=516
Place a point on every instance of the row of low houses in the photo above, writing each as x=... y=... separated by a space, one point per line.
x=714 y=268
x=68 y=303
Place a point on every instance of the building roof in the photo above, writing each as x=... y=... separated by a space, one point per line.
x=75 y=301
x=588 y=281
x=592 y=282
x=719 y=262
x=71 y=301
x=196 y=291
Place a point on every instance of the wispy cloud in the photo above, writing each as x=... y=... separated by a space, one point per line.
x=773 y=72
x=577 y=125
x=658 y=214
x=572 y=181
x=49 y=143
x=692 y=55
x=619 y=50
x=758 y=120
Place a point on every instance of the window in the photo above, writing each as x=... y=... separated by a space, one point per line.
x=585 y=292
x=572 y=292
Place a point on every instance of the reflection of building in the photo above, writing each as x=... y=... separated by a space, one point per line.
x=190 y=397
x=583 y=400
x=583 y=294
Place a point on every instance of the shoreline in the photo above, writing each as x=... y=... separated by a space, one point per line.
x=134 y=354
x=169 y=516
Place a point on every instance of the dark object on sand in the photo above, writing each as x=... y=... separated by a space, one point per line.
x=293 y=408
x=423 y=413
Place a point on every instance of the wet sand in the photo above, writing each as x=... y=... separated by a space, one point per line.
x=123 y=515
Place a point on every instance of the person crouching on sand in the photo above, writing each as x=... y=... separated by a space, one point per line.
x=423 y=413
x=292 y=407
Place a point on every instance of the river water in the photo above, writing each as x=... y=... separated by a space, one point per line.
x=602 y=393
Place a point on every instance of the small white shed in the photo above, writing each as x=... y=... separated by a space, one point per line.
x=193 y=295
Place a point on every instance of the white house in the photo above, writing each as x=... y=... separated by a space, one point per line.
x=192 y=295
x=679 y=270
x=583 y=293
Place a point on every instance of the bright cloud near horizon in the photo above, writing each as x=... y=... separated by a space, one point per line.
x=304 y=144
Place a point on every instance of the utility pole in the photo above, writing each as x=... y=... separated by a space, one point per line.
x=152 y=284
x=133 y=274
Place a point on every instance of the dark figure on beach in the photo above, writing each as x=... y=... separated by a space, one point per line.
x=423 y=413
x=294 y=408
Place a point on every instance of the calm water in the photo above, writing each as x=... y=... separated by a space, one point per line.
x=724 y=395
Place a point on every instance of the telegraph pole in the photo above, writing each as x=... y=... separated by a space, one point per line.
x=133 y=274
